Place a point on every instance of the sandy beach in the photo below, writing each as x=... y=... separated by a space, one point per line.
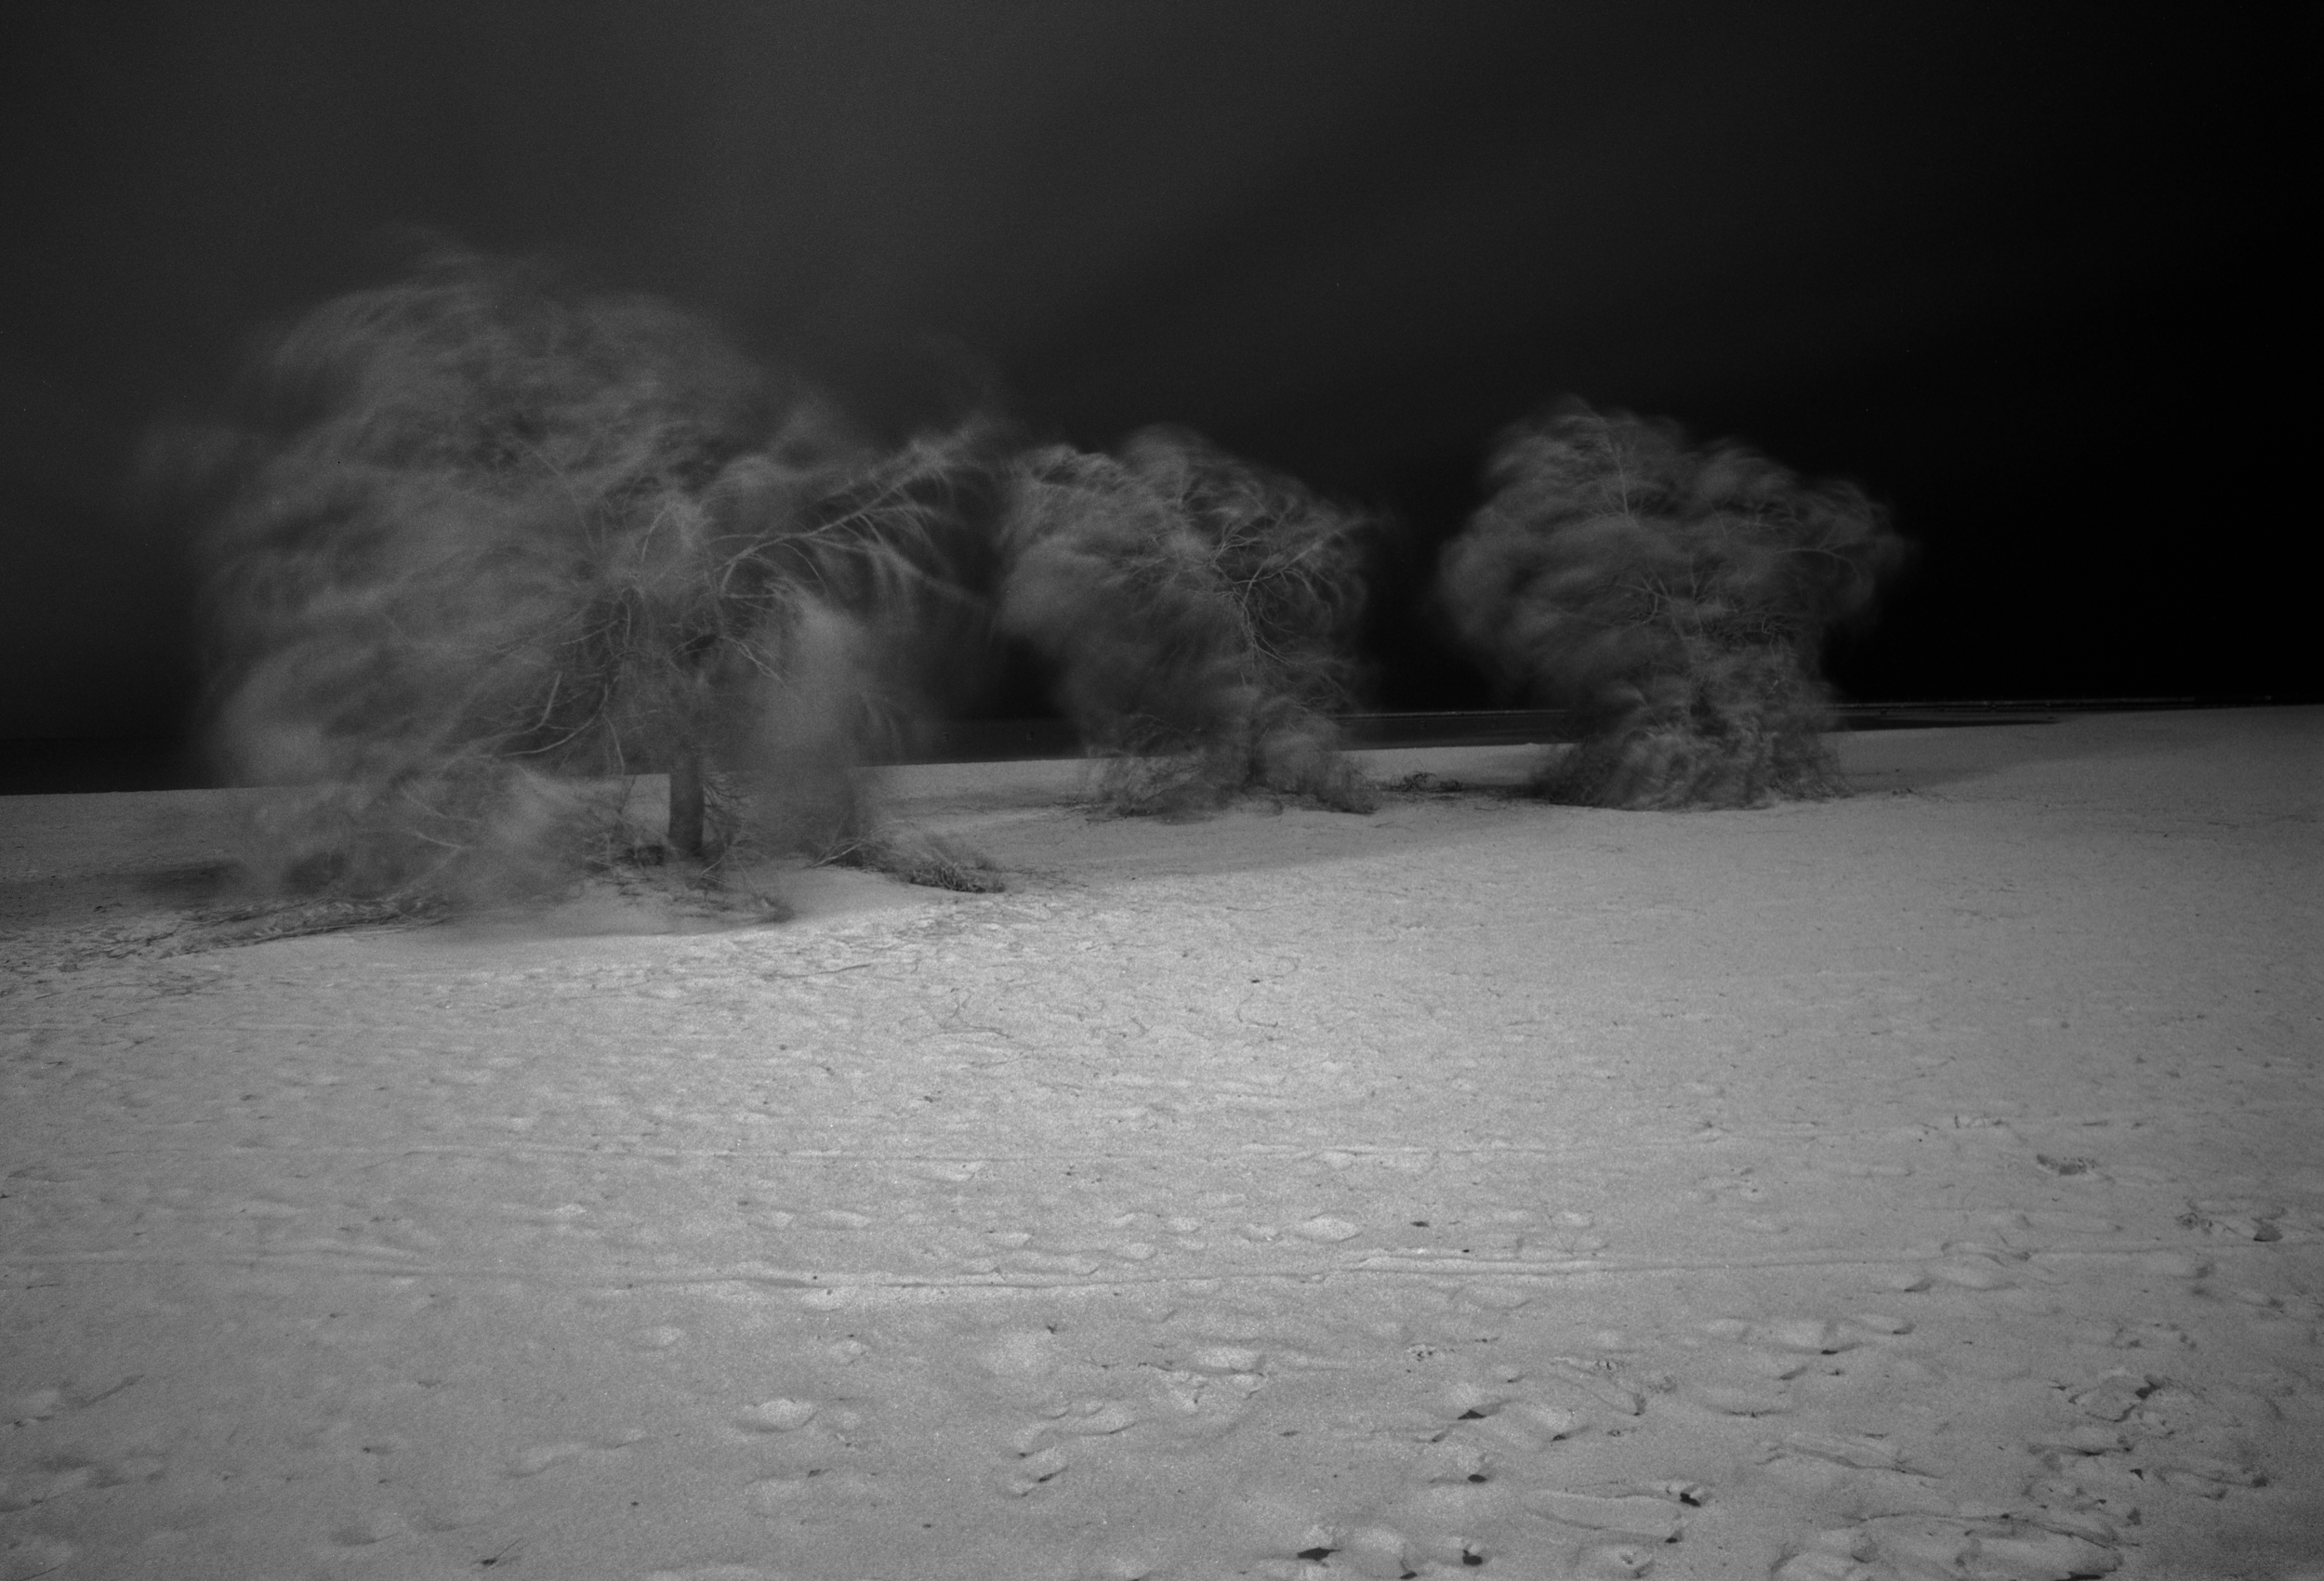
x=1921 y=1184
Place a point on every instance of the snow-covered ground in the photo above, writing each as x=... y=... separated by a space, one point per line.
x=1922 y=1184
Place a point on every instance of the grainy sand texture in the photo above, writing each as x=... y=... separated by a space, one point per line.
x=1923 y=1184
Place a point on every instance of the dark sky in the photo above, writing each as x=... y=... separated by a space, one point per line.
x=2025 y=272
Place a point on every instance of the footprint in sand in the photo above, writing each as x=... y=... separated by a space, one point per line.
x=2140 y=1434
x=1479 y=1437
x=1752 y=1375
x=1970 y=1269
x=532 y=1462
x=1204 y=1405
x=1035 y=1469
x=2114 y=1396
x=1645 y=1516
x=1455 y=1463
x=2186 y=1470
x=1375 y=1550
x=1044 y=1449
x=1869 y=1452
x=1501 y=1416
x=2153 y=1335
x=1094 y=1419
x=1839 y=1472
x=1293 y=1547
x=1738 y=1400
x=1612 y=1562
x=1745 y=1380
x=781 y=1414
x=2238 y=1218
x=814 y=1489
x=1809 y=1337
x=539 y=1457
x=2009 y=1548
x=1624 y=1394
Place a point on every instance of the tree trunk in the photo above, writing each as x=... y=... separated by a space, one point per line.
x=685 y=805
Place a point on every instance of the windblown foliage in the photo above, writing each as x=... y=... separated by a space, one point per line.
x=480 y=539
x=1195 y=609
x=1675 y=600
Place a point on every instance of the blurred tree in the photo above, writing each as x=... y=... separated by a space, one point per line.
x=1196 y=611
x=478 y=537
x=1675 y=600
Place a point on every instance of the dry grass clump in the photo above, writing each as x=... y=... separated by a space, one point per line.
x=483 y=545
x=1195 y=609
x=917 y=858
x=1675 y=600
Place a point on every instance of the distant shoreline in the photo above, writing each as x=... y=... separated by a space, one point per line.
x=70 y=766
